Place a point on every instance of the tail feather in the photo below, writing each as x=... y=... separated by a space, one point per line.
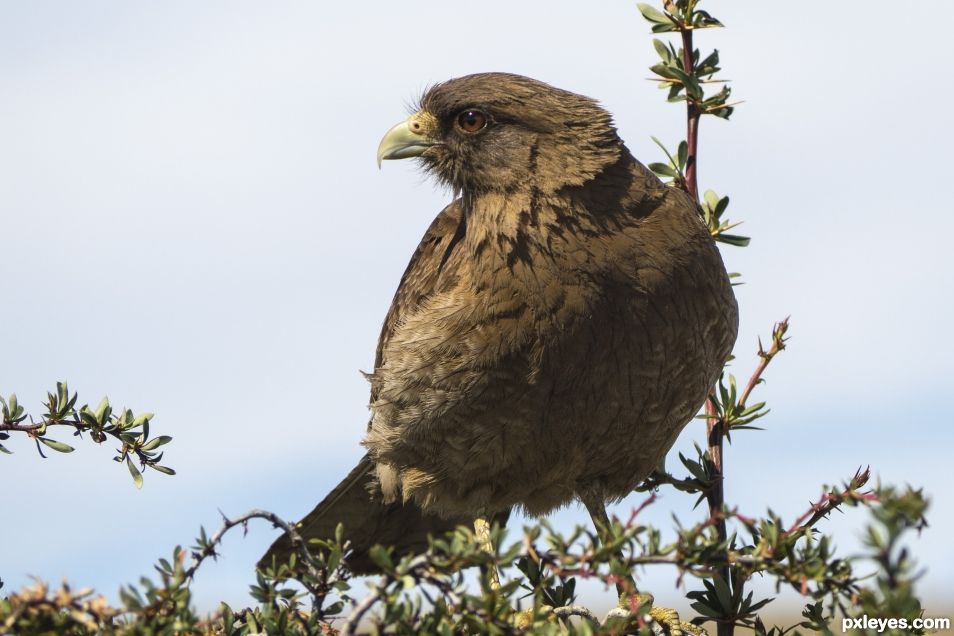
x=367 y=522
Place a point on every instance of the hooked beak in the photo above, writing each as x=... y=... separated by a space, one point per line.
x=411 y=138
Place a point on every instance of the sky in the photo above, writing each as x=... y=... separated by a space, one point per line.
x=193 y=224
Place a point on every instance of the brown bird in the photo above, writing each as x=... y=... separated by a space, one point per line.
x=558 y=325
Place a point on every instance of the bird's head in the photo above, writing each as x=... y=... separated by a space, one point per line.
x=503 y=132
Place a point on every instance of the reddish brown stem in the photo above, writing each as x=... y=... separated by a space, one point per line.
x=715 y=434
x=765 y=357
x=831 y=501
x=715 y=496
x=715 y=429
x=32 y=426
x=693 y=115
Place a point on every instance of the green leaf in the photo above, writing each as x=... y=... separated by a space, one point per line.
x=62 y=394
x=674 y=92
x=660 y=144
x=88 y=418
x=156 y=442
x=662 y=50
x=101 y=410
x=680 y=74
x=165 y=470
x=334 y=558
x=703 y=19
x=136 y=475
x=710 y=65
x=693 y=88
x=3 y=449
x=721 y=206
x=59 y=447
x=752 y=409
x=705 y=610
x=653 y=14
x=381 y=557
x=722 y=592
x=694 y=468
x=760 y=604
x=663 y=169
x=124 y=421
x=666 y=71
x=732 y=239
x=663 y=28
x=142 y=419
x=228 y=617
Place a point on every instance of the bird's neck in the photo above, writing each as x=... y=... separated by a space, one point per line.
x=500 y=222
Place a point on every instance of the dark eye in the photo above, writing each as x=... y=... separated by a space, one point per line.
x=471 y=121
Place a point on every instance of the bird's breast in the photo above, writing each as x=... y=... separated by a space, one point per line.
x=548 y=360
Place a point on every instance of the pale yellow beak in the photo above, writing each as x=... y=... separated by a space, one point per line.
x=411 y=138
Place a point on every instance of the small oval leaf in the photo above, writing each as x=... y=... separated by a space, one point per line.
x=136 y=475
x=60 y=447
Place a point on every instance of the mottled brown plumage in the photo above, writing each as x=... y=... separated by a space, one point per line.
x=559 y=324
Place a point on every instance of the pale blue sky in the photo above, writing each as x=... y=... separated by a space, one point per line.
x=192 y=222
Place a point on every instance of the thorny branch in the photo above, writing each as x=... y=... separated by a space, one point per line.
x=207 y=548
x=130 y=430
x=716 y=430
x=831 y=501
x=765 y=357
x=764 y=555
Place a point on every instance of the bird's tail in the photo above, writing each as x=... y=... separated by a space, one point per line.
x=367 y=522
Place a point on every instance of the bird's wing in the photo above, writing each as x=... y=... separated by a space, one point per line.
x=367 y=521
x=423 y=271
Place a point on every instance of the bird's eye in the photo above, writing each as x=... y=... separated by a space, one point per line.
x=471 y=121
